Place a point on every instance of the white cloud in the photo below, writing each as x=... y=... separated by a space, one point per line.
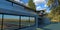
x=21 y=2
x=26 y=4
x=45 y=5
x=39 y=8
x=39 y=1
x=18 y=1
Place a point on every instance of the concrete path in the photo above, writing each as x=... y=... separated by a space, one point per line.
x=55 y=26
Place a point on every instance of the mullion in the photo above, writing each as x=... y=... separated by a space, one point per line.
x=2 y=21
x=29 y=20
x=19 y=22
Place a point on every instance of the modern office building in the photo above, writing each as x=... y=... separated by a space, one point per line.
x=16 y=16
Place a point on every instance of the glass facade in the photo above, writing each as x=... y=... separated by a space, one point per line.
x=27 y=21
x=32 y=20
x=24 y=21
x=0 y=20
x=12 y=22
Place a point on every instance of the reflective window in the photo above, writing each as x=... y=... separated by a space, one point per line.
x=10 y=22
x=0 y=20
x=32 y=20
x=24 y=21
x=27 y=21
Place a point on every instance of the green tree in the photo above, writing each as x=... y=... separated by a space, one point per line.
x=31 y=4
x=50 y=2
x=53 y=3
x=55 y=10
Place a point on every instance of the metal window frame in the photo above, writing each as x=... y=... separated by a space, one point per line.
x=19 y=22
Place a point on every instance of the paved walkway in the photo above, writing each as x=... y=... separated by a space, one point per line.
x=55 y=26
x=52 y=26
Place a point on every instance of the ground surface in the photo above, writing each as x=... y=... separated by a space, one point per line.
x=53 y=26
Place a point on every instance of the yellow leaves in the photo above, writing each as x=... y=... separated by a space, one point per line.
x=55 y=12
x=56 y=18
x=50 y=2
x=59 y=0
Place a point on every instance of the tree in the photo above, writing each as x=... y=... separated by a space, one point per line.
x=31 y=4
x=53 y=3
x=55 y=9
x=50 y=2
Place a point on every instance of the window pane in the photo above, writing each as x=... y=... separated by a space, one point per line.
x=32 y=20
x=27 y=21
x=0 y=20
x=24 y=21
x=10 y=22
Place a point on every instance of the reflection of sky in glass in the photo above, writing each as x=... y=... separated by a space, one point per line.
x=16 y=17
x=0 y=16
x=32 y=18
x=24 y=18
x=11 y=16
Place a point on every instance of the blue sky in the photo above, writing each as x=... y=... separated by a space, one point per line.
x=40 y=4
